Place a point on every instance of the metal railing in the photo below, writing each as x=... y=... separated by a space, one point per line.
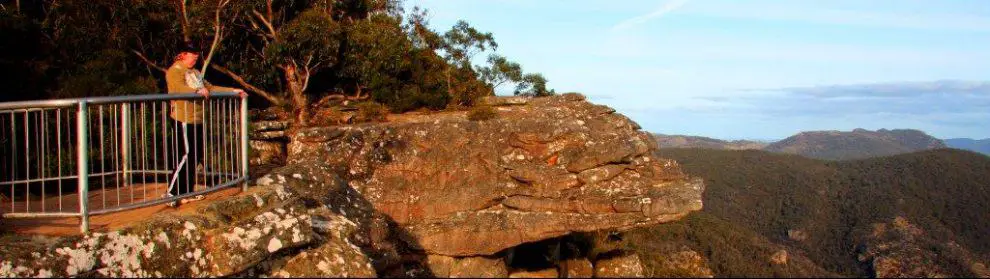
x=90 y=156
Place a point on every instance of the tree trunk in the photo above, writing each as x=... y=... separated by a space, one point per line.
x=299 y=102
x=357 y=94
x=450 y=89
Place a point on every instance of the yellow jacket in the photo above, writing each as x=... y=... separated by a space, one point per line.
x=180 y=79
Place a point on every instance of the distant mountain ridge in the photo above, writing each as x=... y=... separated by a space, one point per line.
x=858 y=144
x=680 y=141
x=981 y=146
x=827 y=145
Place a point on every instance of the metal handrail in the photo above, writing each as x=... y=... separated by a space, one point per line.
x=63 y=103
x=224 y=129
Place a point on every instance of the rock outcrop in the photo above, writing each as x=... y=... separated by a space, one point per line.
x=620 y=266
x=267 y=142
x=430 y=195
x=685 y=263
x=238 y=235
x=899 y=249
x=540 y=170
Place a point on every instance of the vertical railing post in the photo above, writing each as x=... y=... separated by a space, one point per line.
x=82 y=150
x=125 y=141
x=244 y=142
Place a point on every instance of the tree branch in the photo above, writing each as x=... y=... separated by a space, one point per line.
x=264 y=94
x=268 y=8
x=268 y=24
x=217 y=35
x=185 y=22
x=148 y=61
x=309 y=71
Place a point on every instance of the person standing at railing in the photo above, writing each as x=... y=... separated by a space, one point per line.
x=181 y=78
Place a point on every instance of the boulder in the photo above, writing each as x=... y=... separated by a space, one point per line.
x=477 y=267
x=266 y=152
x=578 y=268
x=268 y=135
x=779 y=257
x=543 y=273
x=797 y=235
x=685 y=263
x=620 y=266
x=268 y=125
x=335 y=258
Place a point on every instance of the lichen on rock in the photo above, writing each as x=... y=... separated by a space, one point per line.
x=434 y=196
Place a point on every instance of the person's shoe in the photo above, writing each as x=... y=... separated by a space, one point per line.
x=192 y=199
x=172 y=204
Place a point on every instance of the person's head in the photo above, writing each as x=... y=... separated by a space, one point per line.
x=188 y=55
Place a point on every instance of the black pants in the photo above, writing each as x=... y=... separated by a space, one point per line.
x=190 y=147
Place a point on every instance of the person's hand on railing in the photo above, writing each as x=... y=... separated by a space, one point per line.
x=240 y=92
x=203 y=91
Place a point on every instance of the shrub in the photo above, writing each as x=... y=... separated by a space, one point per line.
x=574 y=96
x=371 y=111
x=482 y=113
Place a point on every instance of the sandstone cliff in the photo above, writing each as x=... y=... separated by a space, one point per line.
x=421 y=195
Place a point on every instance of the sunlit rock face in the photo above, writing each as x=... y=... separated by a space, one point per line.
x=543 y=168
x=426 y=195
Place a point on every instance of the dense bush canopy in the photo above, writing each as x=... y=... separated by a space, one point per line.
x=753 y=199
x=286 y=52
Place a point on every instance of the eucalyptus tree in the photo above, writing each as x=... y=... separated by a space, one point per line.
x=287 y=52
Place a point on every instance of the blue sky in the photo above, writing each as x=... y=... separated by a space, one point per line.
x=754 y=69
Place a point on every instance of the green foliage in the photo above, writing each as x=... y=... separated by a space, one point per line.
x=377 y=52
x=104 y=76
x=371 y=112
x=534 y=85
x=467 y=88
x=312 y=38
x=943 y=191
x=462 y=42
x=420 y=84
x=72 y=48
x=482 y=113
x=500 y=71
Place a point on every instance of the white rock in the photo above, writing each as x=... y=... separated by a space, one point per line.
x=274 y=245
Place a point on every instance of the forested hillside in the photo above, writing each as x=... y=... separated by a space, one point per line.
x=839 y=215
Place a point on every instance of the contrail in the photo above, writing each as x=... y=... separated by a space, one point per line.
x=667 y=7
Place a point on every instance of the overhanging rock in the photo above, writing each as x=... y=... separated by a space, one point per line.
x=542 y=169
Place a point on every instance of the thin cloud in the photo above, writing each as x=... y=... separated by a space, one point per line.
x=945 y=98
x=824 y=12
x=899 y=89
x=664 y=9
